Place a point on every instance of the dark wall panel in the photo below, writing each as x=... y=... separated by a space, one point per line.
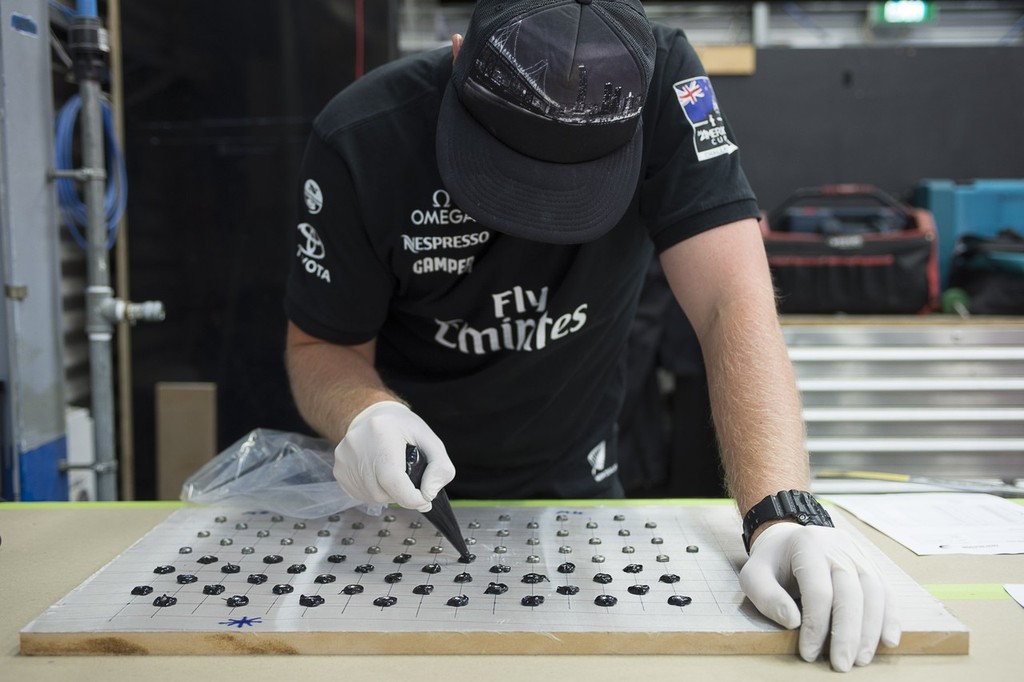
x=219 y=99
x=884 y=116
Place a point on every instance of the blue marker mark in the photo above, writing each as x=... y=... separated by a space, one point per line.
x=241 y=622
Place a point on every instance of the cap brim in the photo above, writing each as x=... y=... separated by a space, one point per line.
x=557 y=203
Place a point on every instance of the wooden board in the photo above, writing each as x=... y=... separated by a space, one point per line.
x=633 y=547
x=186 y=432
x=728 y=60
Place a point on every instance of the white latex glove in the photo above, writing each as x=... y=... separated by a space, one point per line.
x=369 y=462
x=841 y=591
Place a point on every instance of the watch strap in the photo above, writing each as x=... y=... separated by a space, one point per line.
x=794 y=505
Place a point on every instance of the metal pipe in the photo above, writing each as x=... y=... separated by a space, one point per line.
x=760 y=24
x=98 y=293
x=88 y=45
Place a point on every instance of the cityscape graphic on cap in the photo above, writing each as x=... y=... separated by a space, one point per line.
x=498 y=70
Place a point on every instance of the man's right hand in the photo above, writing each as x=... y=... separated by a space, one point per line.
x=369 y=463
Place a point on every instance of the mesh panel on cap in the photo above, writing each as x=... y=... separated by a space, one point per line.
x=630 y=17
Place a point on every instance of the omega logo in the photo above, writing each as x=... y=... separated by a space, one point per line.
x=441 y=199
x=440 y=213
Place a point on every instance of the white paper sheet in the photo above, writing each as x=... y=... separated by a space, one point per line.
x=942 y=523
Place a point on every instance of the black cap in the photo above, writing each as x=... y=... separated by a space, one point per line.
x=539 y=133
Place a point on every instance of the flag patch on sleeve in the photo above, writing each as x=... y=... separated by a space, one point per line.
x=699 y=105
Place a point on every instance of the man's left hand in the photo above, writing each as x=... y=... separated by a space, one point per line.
x=841 y=591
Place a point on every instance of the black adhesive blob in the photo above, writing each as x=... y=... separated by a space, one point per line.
x=567 y=567
x=496 y=588
x=297 y=568
x=364 y=568
x=230 y=568
x=283 y=588
x=186 y=579
x=385 y=602
x=432 y=568
x=467 y=558
x=213 y=589
x=237 y=600
x=423 y=589
x=142 y=590
x=392 y=578
x=352 y=589
x=207 y=559
x=311 y=600
x=402 y=558
x=567 y=589
x=458 y=601
x=605 y=600
x=532 y=600
x=256 y=578
x=602 y=578
x=679 y=600
x=163 y=570
x=669 y=578
x=639 y=590
x=273 y=559
x=633 y=568
x=463 y=578
x=534 y=578
x=336 y=558
x=325 y=578
x=164 y=600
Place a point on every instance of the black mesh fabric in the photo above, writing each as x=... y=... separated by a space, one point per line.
x=634 y=28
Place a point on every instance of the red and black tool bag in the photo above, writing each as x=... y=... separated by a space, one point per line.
x=851 y=249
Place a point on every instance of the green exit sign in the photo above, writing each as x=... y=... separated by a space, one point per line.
x=903 y=12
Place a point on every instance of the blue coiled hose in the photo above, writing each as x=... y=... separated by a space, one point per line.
x=116 y=197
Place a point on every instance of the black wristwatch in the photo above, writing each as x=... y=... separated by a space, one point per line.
x=796 y=505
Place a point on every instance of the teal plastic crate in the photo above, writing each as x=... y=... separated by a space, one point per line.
x=981 y=207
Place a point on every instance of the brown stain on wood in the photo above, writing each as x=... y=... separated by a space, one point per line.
x=252 y=645
x=109 y=646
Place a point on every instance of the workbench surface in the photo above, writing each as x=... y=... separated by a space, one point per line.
x=48 y=549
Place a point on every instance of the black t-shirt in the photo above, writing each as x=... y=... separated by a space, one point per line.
x=511 y=350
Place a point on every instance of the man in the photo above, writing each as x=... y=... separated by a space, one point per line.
x=476 y=229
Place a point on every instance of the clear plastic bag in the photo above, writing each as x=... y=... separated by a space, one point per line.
x=277 y=471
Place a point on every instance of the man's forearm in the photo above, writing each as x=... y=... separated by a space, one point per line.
x=331 y=384
x=755 y=403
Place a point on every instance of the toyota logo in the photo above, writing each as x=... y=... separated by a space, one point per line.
x=314 y=246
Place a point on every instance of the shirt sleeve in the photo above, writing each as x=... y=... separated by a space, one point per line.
x=338 y=286
x=693 y=178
